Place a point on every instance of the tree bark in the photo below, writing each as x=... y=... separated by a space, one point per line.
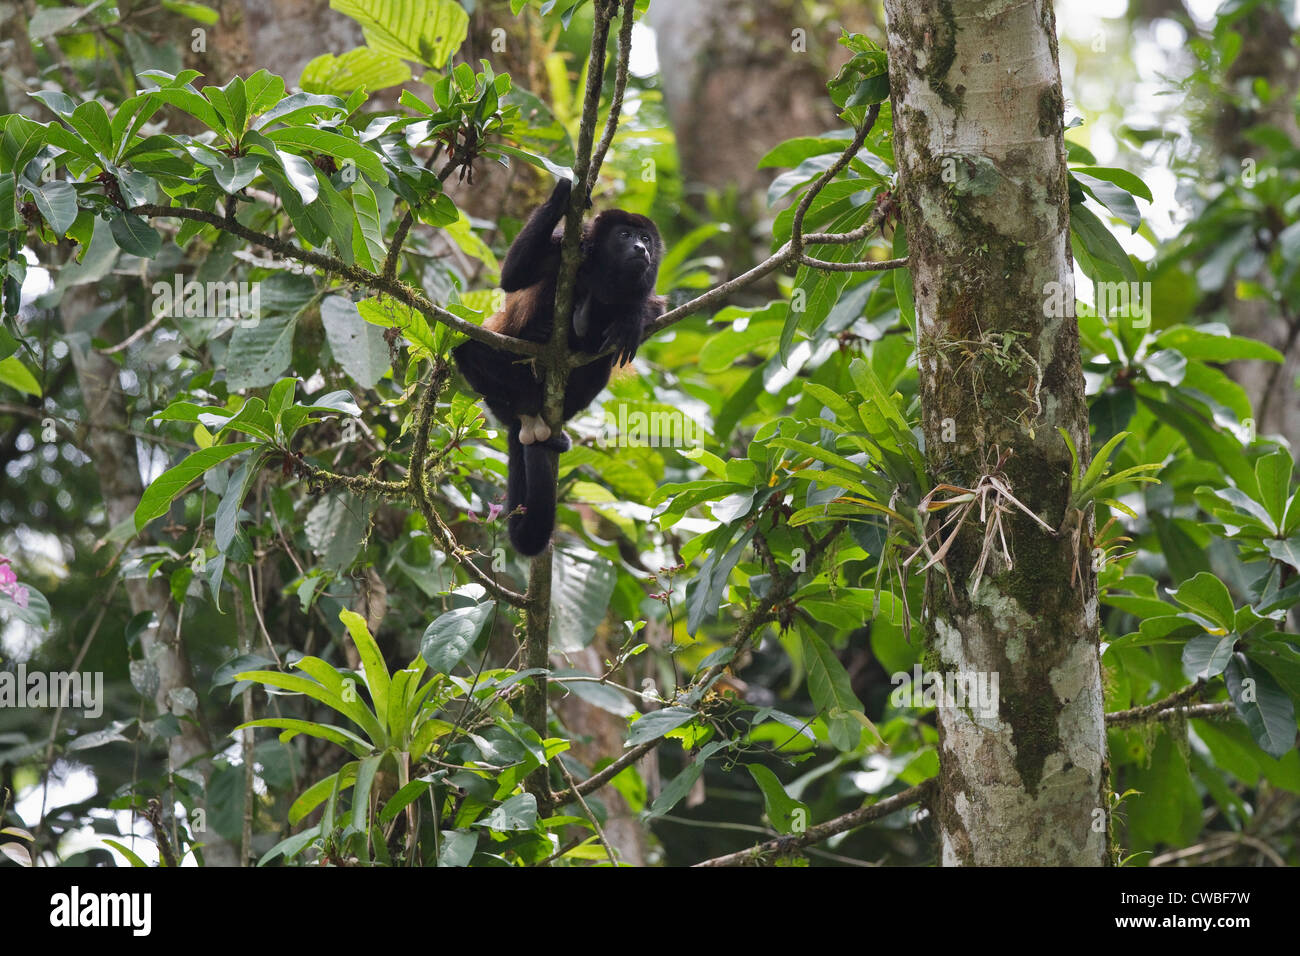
x=977 y=105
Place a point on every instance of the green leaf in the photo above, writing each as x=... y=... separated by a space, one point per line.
x=132 y=857
x=1287 y=551
x=338 y=692
x=1207 y=655
x=1120 y=177
x=16 y=375
x=655 y=724
x=195 y=11
x=556 y=170
x=1207 y=596
x=1263 y=705
x=377 y=680
x=187 y=99
x=368 y=238
x=135 y=236
x=516 y=813
x=22 y=140
x=357 y=346
x=1101 y=247
x=1117 y=200
x=321 y=790
x=47 y=21
x=362 y=68
x=157 y=498
x=1273 y=472
x=782 y=809
x=341 y=148
x=681 y=785
x=582 y=584
x=451 y=634
x=292 y=726
x=831 y=691
x=425 y=31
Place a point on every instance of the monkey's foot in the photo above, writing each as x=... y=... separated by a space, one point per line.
x=559 y=441
x=532 y=428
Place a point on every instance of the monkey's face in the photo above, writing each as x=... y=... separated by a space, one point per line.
x=634 y=249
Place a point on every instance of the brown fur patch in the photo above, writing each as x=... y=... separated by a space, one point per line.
x=518 y=308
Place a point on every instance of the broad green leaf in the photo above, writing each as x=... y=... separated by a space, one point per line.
x=1266 y=708
x=515 y=813
x=357 y=346
x=1207 y=655
x=782 y=809
x=451 y=634
x=157 y=498
x=362 y=68
x=425 y=31
x=655 y=724
x=135 y=236
x=681 y=785
x=16 y=375
x=831 y=691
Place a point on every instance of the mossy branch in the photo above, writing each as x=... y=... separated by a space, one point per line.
x=332 y=264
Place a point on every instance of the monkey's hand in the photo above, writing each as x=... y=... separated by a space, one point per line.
x=558 y=204
x=625 y=339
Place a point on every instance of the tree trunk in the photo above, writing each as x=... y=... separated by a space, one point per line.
x=977 y=106
x=113 y=453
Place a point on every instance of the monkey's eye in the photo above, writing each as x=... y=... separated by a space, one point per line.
x=624 y=234
x=645 y=238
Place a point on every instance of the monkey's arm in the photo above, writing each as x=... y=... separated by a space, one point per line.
x=534 y=253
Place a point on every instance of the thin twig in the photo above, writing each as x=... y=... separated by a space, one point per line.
x=616 y=102
x=824 y=831
x=390 y=286
x=600 y=834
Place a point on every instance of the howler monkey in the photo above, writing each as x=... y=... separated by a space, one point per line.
x=613 y=301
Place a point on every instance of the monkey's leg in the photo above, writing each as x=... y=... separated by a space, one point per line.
x=585 y=383
x=509 y=389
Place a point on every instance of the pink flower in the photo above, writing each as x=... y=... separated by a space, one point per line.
x=493 y=511
x=7 y=576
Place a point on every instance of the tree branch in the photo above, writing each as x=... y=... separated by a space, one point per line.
x=796 y=225
x=824 y=831
x=616 y=102
x=332 y=264
x=555 y=367
x=782 y=586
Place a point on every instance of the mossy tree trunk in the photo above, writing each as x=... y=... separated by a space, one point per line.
x=977 y=103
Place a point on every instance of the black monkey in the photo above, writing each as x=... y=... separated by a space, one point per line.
x=613 y=302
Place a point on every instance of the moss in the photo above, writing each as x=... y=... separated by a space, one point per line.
x=941 y=59
x=1051 y=111
x=1032 y=714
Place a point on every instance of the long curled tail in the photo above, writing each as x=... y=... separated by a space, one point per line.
x=531 y=482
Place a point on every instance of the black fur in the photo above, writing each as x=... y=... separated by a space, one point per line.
x=613 y=301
